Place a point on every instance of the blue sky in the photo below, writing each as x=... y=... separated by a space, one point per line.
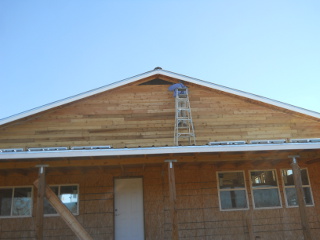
x=51 y=50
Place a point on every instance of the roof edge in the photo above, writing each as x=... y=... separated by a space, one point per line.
x=77 y=97
x=151 y=73
x=245 y=94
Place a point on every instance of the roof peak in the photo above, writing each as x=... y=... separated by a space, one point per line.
x=159 y=70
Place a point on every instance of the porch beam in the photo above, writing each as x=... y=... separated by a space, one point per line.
x=172 y=192
x=160 y=150
x=211 y=158
x=300 y=197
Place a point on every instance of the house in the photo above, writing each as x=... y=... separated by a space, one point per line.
x=105 y=165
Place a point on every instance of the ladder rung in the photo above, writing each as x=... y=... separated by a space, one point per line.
x=185 y=134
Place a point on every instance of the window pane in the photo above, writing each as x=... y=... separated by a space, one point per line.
x=231 y=180
x=292 y=196
x=266 y=198
x=307 y=196
x=288 y=177
x=5 y=202
x=233 y=199
x=22 y=202
x=264 y=179
x=69 y=197
x=304 y=177
x=47 y=208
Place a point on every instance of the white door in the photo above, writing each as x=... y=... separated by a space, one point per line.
x=128 y=207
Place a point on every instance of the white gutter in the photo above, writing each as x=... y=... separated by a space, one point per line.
x=158 y=150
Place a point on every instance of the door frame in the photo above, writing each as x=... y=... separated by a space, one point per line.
x=114 y=204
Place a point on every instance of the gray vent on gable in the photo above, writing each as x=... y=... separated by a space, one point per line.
x=156 y=81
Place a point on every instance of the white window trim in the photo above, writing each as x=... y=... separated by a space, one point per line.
x=61 y=185
x=31 y=207
x=252 y=189
x=293 y=186
x=227 y=190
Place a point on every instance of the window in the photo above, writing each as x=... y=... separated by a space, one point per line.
x=68 y=195
x=265 y=189
x=232 y=191
x=290 y=191
x=15 y=201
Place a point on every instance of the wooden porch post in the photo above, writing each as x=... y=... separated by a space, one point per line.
x=250 y=225
x=300 y=196
x=65 y=213
x=172 y=191
x=40 y=199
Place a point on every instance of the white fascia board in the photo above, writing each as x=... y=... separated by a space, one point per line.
x=78 y=97
x=161 y=150
x=244 y=94
x=165 y=73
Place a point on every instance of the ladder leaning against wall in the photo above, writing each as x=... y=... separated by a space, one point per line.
x=183 y=119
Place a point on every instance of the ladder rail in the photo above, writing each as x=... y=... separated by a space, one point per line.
x=183 y=118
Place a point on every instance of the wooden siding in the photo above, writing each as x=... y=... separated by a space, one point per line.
x=199 y=215
x=143 y=115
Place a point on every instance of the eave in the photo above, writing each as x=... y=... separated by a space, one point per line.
x=158 y=150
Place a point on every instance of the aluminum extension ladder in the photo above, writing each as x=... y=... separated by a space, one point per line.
x=183 y=120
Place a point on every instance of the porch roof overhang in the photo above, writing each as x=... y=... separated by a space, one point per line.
x=233 y=154
x=157 y=151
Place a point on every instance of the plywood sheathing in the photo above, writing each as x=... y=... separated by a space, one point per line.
x=199 y=215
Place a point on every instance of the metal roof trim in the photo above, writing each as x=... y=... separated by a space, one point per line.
x=158 y=150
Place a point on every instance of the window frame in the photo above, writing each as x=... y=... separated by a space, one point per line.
x=228 y=190
x=293 y=186
x=59 y=190
x=12 y=198
x=266 y=188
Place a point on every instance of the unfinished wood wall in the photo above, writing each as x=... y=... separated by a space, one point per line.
x=143 y=115
x=199 y=215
